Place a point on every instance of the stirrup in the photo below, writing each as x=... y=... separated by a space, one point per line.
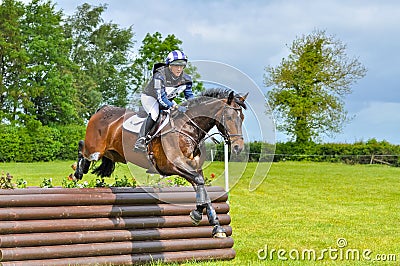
x=140 y=144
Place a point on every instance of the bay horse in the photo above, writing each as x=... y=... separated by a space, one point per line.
x=178 y=149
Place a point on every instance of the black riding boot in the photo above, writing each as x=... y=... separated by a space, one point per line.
x=147 y=125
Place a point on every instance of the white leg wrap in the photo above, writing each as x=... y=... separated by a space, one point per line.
x=94 y=156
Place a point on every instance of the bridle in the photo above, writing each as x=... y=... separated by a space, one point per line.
x=226 y=135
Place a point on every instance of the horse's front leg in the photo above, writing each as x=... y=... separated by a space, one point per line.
x=82 y=164
x=203 y=202
x=192 y=172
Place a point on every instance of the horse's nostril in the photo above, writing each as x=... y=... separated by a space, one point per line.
x=236 y=148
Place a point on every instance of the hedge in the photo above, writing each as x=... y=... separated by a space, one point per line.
x=371 y=151
x=20 y=144
x=43 y=143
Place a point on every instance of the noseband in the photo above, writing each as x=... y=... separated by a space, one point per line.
x=226 y=135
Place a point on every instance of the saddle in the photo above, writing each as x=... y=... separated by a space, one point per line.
x=134 y=123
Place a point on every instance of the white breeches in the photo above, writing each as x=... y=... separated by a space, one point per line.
x=150 y=105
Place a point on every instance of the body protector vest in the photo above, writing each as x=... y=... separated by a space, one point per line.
x=164 y=86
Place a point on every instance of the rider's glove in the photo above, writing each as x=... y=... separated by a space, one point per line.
x=182 y=109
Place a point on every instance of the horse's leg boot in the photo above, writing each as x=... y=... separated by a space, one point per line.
x=196 y=217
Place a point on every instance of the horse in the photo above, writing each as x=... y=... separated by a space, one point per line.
x=177 y=149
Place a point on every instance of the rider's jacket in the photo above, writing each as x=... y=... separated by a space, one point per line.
x=164 y=86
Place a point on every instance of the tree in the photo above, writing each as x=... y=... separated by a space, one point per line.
x=13 y=59
x=35 y=83
x=102 y=55
x=48 y=85
x=310 y=86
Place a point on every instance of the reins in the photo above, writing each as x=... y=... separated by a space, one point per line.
x=208 y=136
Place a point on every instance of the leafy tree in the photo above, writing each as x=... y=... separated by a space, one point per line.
x=51 y=96
x=310 y=85
x=101 y=52
x=13 y=59
x=35 y=83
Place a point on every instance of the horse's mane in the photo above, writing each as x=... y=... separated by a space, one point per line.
x=217 y=93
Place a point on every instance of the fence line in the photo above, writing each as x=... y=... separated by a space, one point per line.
x=388 y=159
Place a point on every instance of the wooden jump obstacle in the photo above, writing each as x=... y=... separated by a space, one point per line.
x=113 y=226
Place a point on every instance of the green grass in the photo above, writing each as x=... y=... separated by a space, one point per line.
x=300 y=206
x=311 y=205
x=34 y=173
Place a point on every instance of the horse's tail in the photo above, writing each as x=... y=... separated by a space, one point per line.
x=105 y=169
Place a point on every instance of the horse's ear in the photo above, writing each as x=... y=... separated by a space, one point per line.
x=230 y=97
x=243 y=98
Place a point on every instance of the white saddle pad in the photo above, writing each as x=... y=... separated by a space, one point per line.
x=133 y=123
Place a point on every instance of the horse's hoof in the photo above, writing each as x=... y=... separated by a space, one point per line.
x=72 y=177
x=219 y=232
x=196 y=217
x=77 y=176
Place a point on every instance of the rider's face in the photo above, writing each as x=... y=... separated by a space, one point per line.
x=176 y=70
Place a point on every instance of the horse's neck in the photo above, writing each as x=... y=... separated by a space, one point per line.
x=201 y=123
x=205 y=124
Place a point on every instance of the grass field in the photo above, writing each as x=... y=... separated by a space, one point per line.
x=299 y=209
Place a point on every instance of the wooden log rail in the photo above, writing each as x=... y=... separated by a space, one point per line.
x=113 y=226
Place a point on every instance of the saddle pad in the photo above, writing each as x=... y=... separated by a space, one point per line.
x=133 y=123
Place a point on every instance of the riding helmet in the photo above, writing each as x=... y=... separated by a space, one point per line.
x=176 y=57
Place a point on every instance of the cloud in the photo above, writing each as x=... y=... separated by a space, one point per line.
x=378 y=120
x=251 y=35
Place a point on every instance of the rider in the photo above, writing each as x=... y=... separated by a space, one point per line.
x=167 y=82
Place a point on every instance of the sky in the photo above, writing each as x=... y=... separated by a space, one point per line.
x=250 y=35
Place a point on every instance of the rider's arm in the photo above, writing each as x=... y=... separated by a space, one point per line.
x=161 y=94
x=188 y=92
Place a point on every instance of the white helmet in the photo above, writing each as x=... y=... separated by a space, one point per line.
x=176 y=57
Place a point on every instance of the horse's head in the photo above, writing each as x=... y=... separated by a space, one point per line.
x=229 y=120
x=217 y=107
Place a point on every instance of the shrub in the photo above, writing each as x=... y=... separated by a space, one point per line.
x=41 y=143
x=69 y=138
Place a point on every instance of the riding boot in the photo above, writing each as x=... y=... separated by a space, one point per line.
x=147 y=125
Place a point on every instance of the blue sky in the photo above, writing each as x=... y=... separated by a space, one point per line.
x=250 y=35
